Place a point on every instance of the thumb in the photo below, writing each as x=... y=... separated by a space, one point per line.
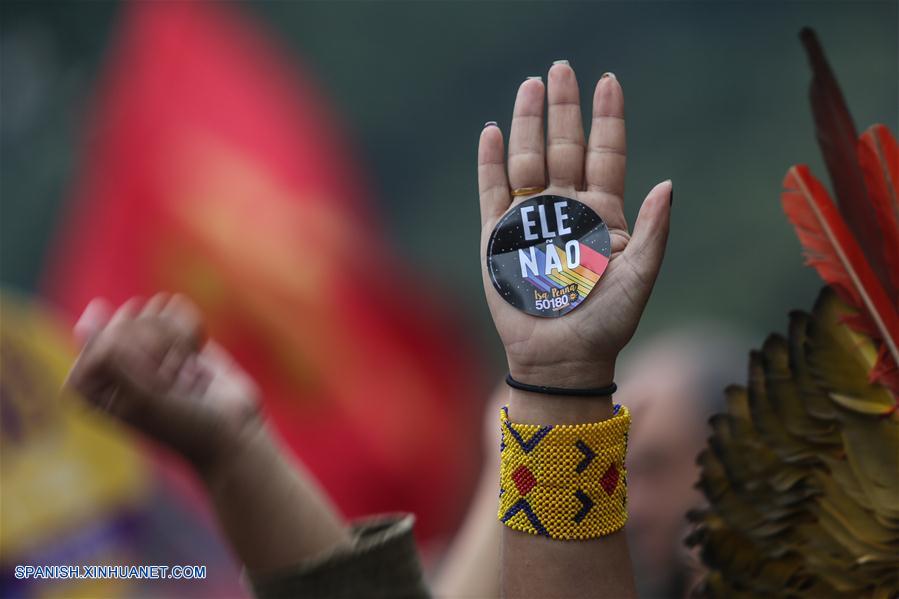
x=647 y=244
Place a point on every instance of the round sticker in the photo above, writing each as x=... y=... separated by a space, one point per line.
x=547 y=253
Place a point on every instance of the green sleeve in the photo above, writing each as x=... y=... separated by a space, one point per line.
x=382 y=562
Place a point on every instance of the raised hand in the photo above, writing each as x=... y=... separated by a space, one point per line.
x=148 y=366
x=577 y=350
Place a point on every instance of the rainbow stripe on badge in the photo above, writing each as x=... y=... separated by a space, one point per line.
x=583 y=277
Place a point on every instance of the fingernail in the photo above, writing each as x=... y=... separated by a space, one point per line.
x=535 y=78
x=562 y=61
x=490 y=124
x=609 y=74
x=671 y=195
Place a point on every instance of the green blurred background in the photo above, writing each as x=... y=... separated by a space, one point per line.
x=716 y=100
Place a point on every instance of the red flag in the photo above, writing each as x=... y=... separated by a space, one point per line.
x=214 y=168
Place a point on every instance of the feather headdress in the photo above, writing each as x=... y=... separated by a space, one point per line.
x=802 y=471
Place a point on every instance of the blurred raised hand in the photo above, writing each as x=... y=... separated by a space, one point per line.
x=148 y=365
x=579 y=349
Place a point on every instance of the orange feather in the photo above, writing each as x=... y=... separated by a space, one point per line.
x=832 y=250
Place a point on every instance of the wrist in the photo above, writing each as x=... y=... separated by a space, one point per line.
x=539 y=408
x=230 y=447
x=567 y=374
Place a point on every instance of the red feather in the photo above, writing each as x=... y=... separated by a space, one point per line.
x=835 y=254
x=878 y=156
x=838 y=140
x=885 y=372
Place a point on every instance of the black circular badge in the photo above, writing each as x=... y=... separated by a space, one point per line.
x=546 y=254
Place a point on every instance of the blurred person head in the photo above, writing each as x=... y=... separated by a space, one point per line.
x=672 y=384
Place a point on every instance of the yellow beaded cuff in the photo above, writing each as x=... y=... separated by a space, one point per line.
x=564 y=481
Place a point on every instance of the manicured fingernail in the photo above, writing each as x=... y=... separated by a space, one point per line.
x=535 y=78
x=490 y=124
x=671 y=195
x=609 y=74
x=562 y=61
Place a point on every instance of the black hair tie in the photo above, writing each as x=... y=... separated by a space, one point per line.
x=593 y=392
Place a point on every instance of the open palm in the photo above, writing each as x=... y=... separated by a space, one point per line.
x=580 y=348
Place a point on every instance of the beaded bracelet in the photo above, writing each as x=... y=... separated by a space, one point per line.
x=564 y=481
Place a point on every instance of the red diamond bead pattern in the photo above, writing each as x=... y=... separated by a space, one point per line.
x=524 y=480
x=609 y=480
